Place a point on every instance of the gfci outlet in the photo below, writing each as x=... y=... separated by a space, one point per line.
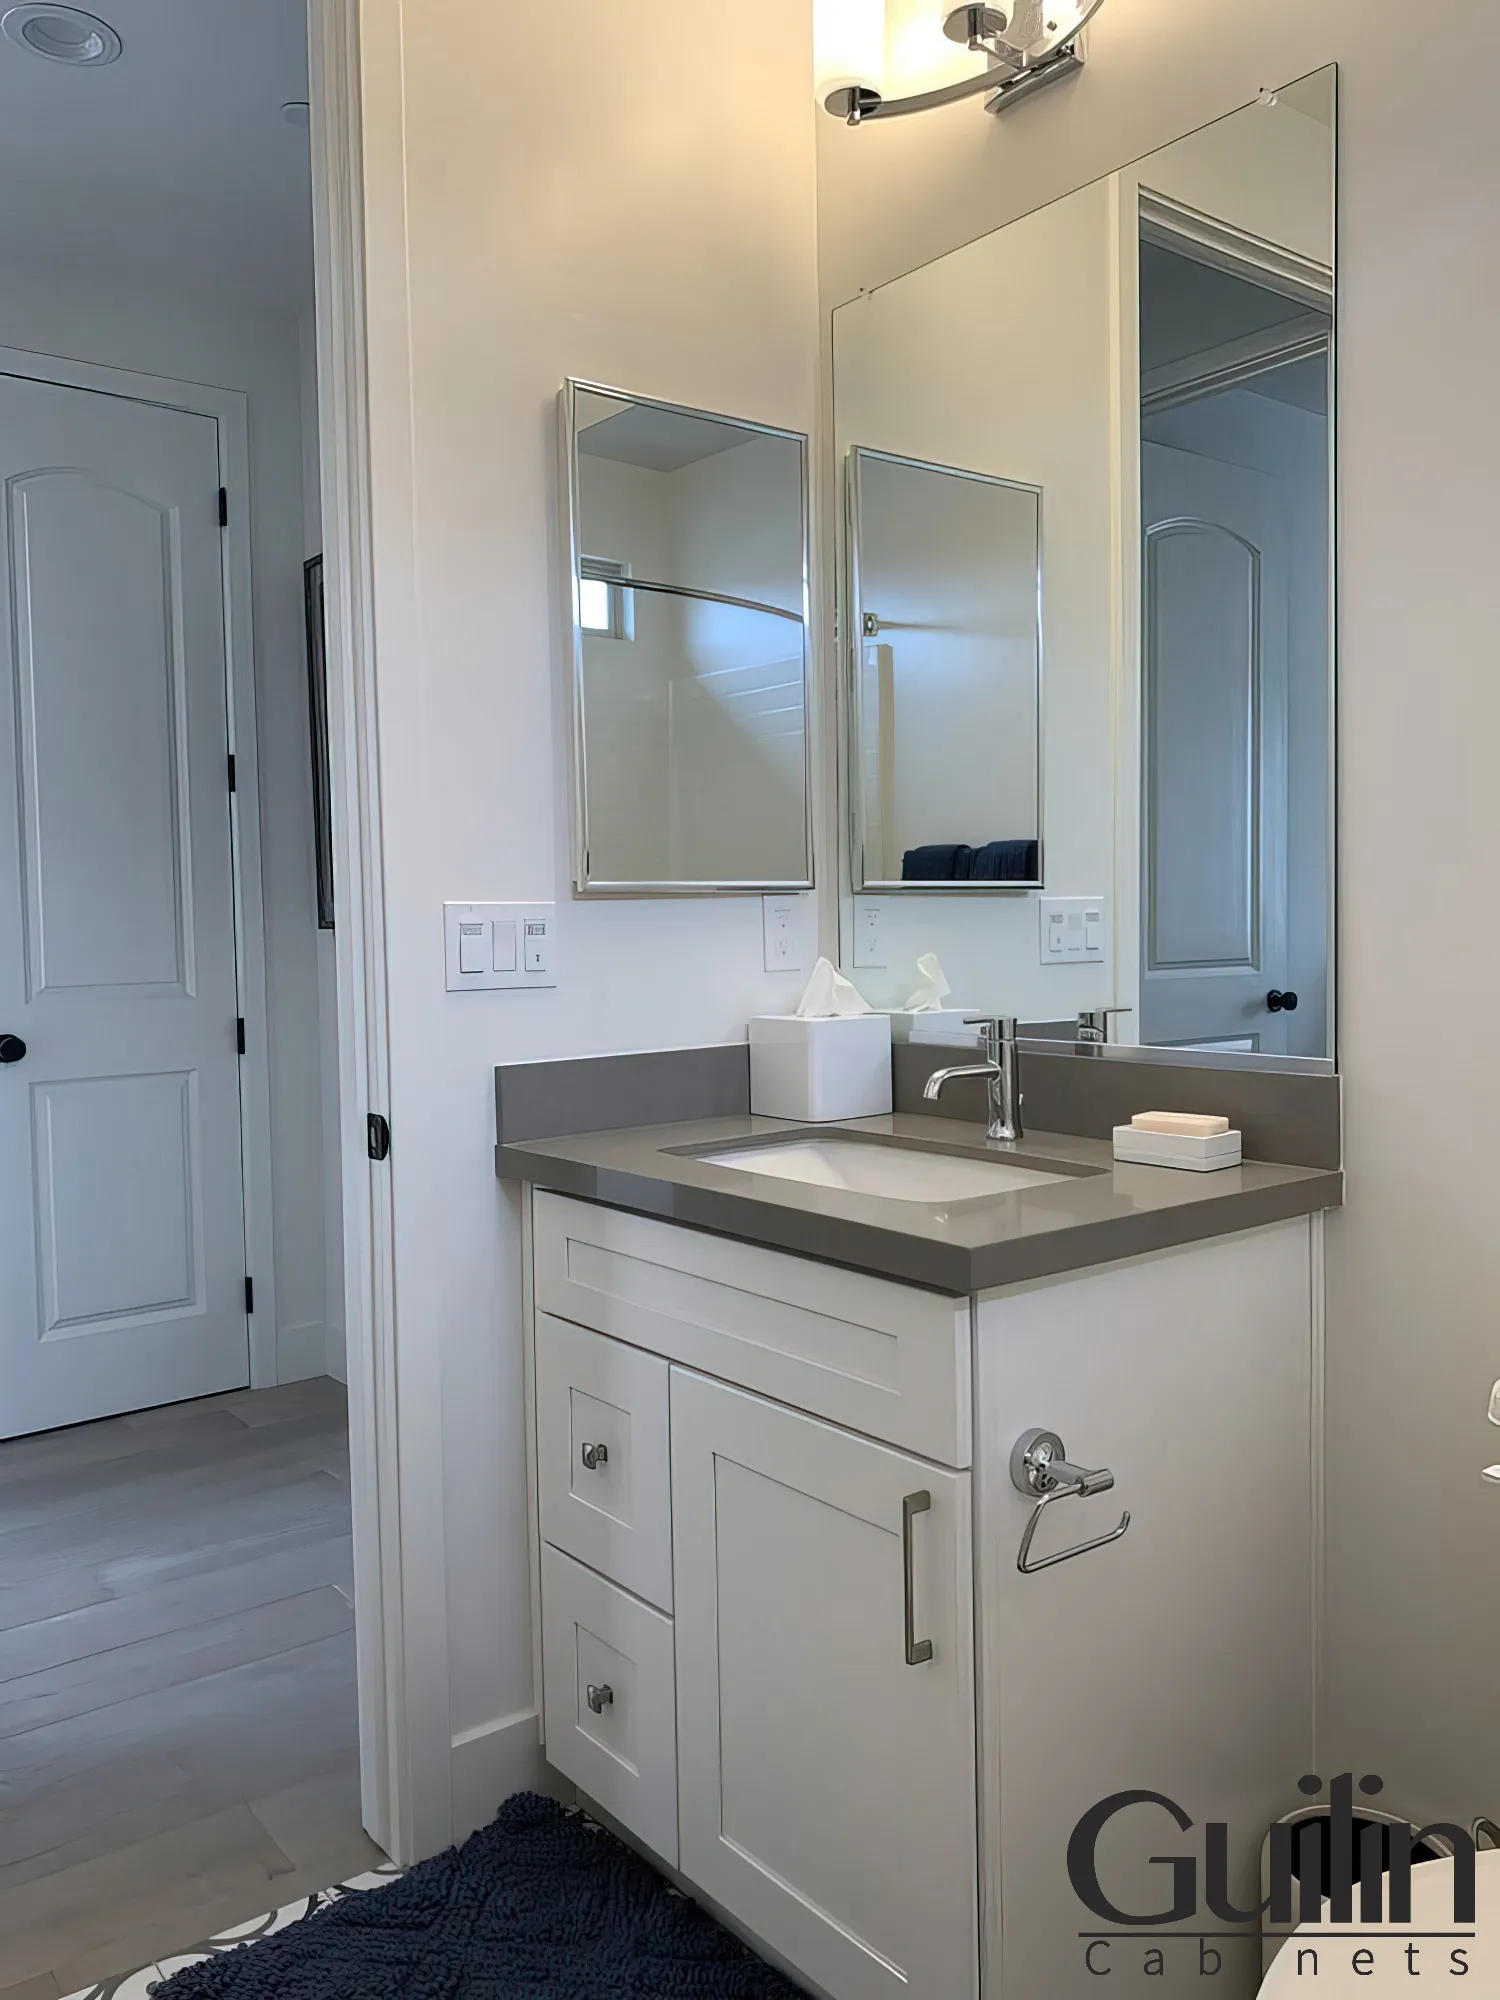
x=869 y=932
x=782 y=916
x=1072 y=930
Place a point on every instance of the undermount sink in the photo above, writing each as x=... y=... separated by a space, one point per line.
x=899 y=1173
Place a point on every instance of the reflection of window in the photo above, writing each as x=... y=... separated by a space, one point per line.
x=605 y=606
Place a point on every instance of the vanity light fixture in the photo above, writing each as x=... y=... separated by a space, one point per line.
x=62 y=35
x=1025 y=43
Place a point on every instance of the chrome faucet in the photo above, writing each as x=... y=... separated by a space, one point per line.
x=1093 y=1025
x=1002 y=1068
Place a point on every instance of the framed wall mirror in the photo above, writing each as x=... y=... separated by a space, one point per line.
x=945 y=571
x=687 y=597
x=1153 y=359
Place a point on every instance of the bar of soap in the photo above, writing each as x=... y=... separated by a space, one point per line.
x=1184 y=1124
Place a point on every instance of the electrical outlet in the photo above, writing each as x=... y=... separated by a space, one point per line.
x=782 y=919
x=869 y=933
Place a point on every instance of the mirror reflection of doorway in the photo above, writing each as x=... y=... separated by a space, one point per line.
x=1235 y=643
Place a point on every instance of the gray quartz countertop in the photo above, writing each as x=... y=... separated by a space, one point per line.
x=1101 y=1212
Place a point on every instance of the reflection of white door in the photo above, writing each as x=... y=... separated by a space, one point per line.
x=121 y=1209
x=1214 y=708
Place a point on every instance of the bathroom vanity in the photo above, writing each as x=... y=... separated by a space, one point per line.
x=784 y=1643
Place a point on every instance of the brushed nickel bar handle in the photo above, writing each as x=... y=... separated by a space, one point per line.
x=918 y=1651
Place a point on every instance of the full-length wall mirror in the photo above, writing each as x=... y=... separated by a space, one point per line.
x=1146 y=366
x=688 y=603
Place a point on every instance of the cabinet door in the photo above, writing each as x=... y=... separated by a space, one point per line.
x=826 y=1786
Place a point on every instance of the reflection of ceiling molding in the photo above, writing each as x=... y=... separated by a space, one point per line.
x=1188 y=232
x=1235 y=363
x=655 y=439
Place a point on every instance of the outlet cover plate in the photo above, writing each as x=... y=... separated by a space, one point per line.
x=869 y=932
x=783 y=918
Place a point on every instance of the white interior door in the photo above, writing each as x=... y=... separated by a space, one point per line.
x=1214 y=712
x=121 y=1208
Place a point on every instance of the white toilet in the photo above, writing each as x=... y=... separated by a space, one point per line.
x=1331 y=1957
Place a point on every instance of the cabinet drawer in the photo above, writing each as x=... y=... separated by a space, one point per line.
x=609 y=1693
x=603 y=1456
x=882 y=1358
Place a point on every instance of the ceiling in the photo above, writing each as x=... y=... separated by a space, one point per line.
x=660 y=440
x=174 y=165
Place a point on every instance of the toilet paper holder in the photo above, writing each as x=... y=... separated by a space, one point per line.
x=1040 y=1469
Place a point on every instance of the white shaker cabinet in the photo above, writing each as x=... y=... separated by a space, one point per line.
x=825 y=1693
x=785 y=1642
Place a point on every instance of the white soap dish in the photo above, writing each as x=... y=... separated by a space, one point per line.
x=1192 y=1152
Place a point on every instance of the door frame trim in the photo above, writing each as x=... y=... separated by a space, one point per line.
x=395 y=1415
x=229 y=410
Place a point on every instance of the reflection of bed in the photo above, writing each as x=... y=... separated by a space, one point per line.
x=996 y=861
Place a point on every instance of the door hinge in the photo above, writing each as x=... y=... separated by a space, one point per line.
x=379 y=1137
x=239 y=1034
x=249 y=1295
x=223 y=506
x=232 y=783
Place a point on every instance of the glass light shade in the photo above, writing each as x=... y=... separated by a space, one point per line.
x=848 y=45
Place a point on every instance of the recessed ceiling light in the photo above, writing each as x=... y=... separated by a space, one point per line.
x=62 y=34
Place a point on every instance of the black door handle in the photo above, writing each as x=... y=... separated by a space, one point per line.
x=1281 y=1003
x=12 y=1048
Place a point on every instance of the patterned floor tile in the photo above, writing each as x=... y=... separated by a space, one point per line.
x=140 y=1984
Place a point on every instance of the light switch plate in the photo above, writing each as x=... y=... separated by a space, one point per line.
x=869 y=932
x=1072 y=930
x=500 y=947
x=785 y=930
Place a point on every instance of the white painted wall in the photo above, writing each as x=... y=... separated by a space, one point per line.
x=1413 y=1626
x=120 y=325
x=658 y=234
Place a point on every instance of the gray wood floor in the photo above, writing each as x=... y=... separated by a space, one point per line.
x=178 y=1741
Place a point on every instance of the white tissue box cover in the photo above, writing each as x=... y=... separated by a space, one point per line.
x=1177 y=1149
x=820 y=1070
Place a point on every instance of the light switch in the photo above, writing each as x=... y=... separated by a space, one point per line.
x=499 y=947
x=471 y=949
x=1072 y=930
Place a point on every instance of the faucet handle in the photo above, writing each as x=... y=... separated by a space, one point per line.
x=1093 y=1023
x=998 y=1030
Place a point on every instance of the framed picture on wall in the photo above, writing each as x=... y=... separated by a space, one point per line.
x=317 y=695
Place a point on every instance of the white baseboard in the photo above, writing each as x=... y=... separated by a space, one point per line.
x=493 y=1762
x=301 y=1352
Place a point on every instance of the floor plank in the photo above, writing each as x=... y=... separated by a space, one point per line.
x=45 y=1923
x=179 y=1693
x=174 y=1606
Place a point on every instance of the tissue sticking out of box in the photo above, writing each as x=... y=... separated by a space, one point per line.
x=934 y=988
x=830 y=996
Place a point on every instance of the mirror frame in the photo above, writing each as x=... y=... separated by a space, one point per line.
x=864 y=884
x=584 y=882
